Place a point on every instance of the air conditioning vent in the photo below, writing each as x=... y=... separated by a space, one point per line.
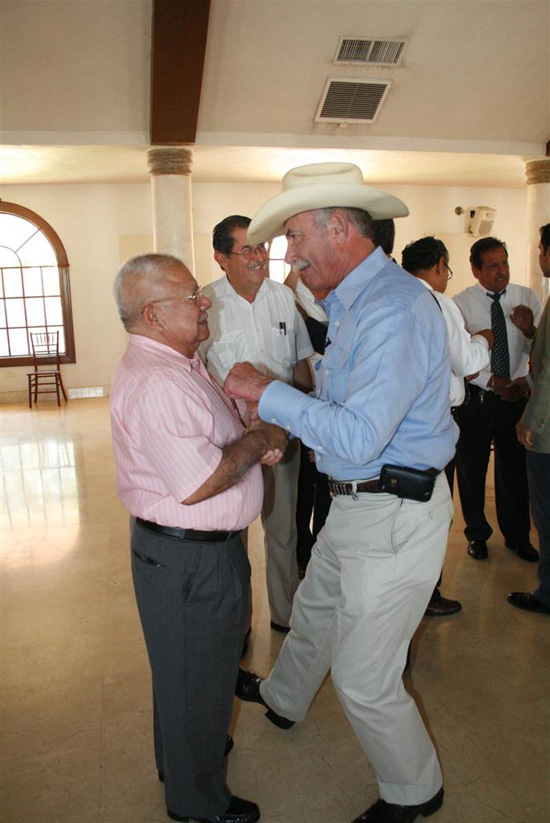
x=370 y=52
x=352 y=101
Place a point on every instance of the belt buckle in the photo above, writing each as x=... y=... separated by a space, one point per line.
x=344 y=488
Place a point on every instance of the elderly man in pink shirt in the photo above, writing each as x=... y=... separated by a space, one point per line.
x=188 y=472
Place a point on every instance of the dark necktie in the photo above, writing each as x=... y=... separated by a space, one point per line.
x=500 y=356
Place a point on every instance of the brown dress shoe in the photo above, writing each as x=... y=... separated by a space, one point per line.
x=440 y=606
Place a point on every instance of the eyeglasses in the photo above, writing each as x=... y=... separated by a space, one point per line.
x=249 y=251
x=449 y=271
x=188 y=298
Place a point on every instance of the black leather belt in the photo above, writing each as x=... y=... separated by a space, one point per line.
x=187 y=534
x=338 y=487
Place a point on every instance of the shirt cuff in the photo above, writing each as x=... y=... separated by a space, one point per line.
x=480 y=337
x=281 y=404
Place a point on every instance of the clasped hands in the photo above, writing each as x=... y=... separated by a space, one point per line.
x=509 y=390
x=245 y=382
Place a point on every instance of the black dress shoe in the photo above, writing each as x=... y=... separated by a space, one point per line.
x=528 y=602
x=248 y=689
x=239 y=811
x=478 y=549
x=524 y=550
x=229 y=743
x=440 y=606
x=277 y=627
x=382 y=812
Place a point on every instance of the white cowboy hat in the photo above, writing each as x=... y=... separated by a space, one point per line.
x=319 y=186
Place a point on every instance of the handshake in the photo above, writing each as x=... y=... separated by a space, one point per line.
x=244 y=382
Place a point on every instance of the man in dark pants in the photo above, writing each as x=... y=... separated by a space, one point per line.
x=188 y=473
x=533 y=431
x=495 y=402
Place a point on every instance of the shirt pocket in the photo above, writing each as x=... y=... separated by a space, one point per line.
x=283 y=345
x=229 y=349
x=336 y=374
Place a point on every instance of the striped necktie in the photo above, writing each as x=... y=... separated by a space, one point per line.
x=500 y=355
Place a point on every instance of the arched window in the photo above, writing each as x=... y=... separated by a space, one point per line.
x=35 y=293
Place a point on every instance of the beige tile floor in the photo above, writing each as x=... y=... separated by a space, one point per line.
x=76 y=720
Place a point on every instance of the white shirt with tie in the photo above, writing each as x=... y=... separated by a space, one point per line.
x=475 y=305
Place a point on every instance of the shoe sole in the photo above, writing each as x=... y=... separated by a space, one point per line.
x=429 y=613
x=252 y=818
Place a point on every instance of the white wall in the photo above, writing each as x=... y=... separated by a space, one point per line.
x=100 y=224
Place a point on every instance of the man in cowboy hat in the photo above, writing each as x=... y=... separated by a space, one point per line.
x=381 y=429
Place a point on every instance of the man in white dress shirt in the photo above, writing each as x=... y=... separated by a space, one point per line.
x=495 y=402
x=255 y=319
x=428 y=260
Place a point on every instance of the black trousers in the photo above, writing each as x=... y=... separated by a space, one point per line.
x=313 y=500
x=192 y=600
x=486 y=419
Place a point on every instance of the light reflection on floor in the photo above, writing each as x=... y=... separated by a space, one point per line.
x=76 y=724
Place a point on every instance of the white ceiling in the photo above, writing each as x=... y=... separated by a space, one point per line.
x=469 y=104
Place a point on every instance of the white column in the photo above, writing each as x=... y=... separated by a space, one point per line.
x=170 y=170
x=538 y=214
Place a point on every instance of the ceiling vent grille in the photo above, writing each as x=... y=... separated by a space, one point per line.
x=370 y=52
x=352 y=101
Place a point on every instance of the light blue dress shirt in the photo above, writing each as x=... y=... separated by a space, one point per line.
x=383 y=384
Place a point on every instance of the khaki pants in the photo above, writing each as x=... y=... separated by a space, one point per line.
x=372 y=571
x=279 y=522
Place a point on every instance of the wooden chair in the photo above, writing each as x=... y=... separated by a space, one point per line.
x=45 y=347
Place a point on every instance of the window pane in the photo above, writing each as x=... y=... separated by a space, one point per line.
x=50 y=276
x=3 y=323
x=54 y=315
x=8 y=257
x=37 y=252
x=15 y=311
x=61 y=331
x=35 y=311
x=277 y=270
x=13 y=286
x=278 y=247
x=18 y=342
x=3 y=343
x=14 y=231
x=32 y=282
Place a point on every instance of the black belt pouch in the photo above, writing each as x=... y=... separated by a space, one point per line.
x=412 y=484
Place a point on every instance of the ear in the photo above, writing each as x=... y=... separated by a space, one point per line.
x=152 y=318
x=218 y=257
x=475 y=271
x=441 y=267
x=339 y=226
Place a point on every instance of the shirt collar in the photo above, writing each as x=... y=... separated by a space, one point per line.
x=486 y=291
x=349 y=289
x=166 y=352
x=229 y=291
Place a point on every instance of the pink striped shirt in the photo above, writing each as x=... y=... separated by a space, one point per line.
x=169 y=422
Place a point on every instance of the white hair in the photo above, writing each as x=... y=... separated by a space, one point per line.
x=139 y=281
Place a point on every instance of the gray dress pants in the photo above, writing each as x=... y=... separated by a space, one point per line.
x=192 y=599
